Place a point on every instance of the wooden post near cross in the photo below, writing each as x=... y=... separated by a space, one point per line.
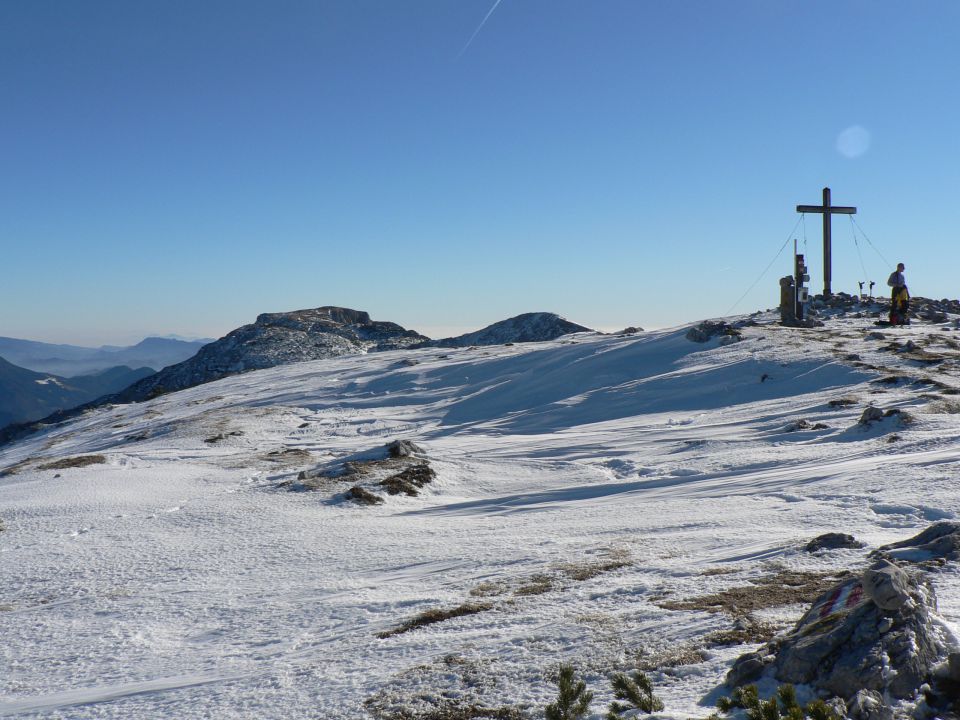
x=827 y=210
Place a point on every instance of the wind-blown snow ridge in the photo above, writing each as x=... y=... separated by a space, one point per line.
x=581 y=484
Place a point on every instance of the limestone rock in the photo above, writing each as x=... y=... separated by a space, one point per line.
x=404 y=448
x=940 y=541
x=832 y=541
x=887 y=586
x=748 y=668
x=846 y=643
x=868 y=705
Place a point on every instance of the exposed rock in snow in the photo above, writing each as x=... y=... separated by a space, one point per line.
x=404 y=448
x=940 y=541
x=846 y=642
x=529 y=327
x=707 y=330
x=278 y=339
x=871 y=639
x=398 y=467
x=869 y=705
x=832 y=541
x=872 y=415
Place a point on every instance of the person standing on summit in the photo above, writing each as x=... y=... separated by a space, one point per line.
x=896 y=280
x=899 y=296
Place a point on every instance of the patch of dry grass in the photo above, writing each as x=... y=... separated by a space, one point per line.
x=586 y=571
x=784 y=588
x=675 y=656
x=943 y=407
x=73 y=462
x=410 y=480
x=436 y=615
x=747 y=631
x=14 y=469
x=615 y=559
x=710 y=572
x=362 y=496
x=488 y=589
x=536 y=585
x=452 y=710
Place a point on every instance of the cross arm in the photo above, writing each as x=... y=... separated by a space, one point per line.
x=835 y=209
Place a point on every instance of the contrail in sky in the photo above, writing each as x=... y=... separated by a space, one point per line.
x=479 y=28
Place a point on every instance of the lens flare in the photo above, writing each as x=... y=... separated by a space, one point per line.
x=854 y=141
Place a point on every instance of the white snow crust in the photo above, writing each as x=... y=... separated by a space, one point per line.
x=177 y=580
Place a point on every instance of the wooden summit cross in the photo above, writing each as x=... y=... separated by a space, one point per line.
x=828 y=211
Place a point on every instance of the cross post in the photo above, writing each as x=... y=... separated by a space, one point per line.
x=827 y=210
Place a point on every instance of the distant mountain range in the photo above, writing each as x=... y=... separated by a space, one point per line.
x=26 y=395
x=289 y=337
x=72 y=360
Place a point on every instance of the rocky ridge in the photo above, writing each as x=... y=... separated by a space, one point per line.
x=277 y=339
x=299 y=336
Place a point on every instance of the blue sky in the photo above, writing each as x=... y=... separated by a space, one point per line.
x=180 y=167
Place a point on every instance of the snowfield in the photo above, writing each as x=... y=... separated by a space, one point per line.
x=586 y=488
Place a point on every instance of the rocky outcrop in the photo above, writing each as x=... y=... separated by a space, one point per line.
x=707 y=330
x=938 y=543
x=873 y=639
x=278 y=339
x=873 y=633
x=529 y=327
x=401 y=467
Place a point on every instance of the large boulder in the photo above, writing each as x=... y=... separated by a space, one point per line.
x=877 y=632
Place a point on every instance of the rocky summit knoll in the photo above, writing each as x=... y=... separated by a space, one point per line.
x=528 y=327
x=298 y=336
x=277 y=339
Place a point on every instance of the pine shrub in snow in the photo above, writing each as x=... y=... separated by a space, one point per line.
x=573 y=700
x=787 y=708
x=636 y=691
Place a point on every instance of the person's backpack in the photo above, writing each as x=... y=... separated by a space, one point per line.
x=899 y=305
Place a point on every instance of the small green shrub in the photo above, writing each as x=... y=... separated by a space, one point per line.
x=573 y=701
x=783 y=705
x=636 y=691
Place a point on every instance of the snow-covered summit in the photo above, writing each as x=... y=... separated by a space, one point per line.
x=607 y=501
x=528 y=327
x=278 y=339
